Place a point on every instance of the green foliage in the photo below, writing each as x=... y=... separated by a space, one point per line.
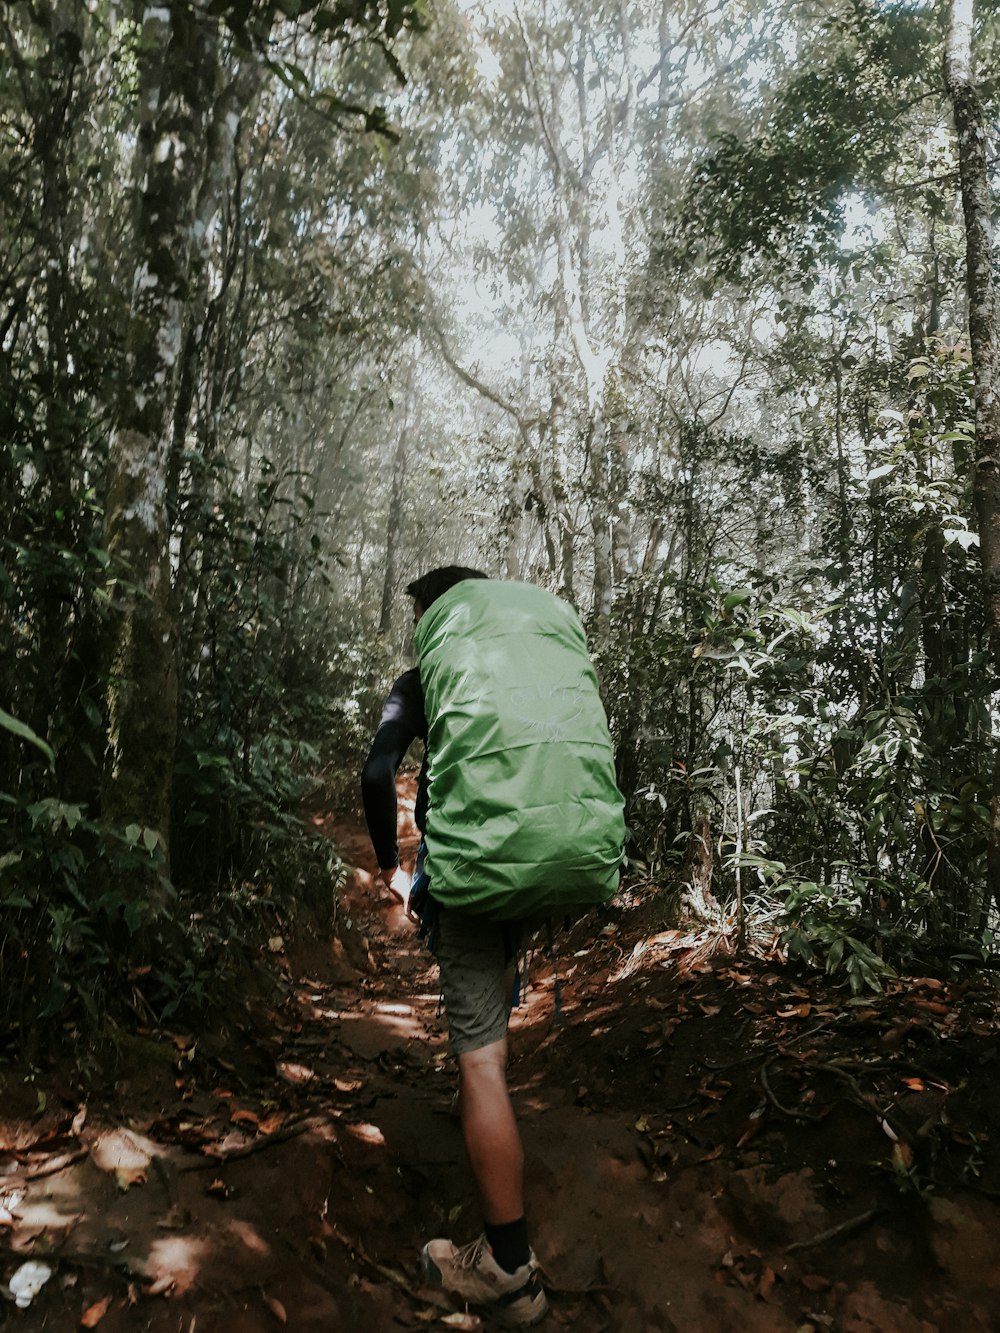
x=831 y=129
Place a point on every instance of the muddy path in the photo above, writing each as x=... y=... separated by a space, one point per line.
x=711 y=1144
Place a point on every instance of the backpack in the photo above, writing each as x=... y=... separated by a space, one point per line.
x=524 y=815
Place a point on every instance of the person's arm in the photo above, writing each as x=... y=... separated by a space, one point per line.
x=402 y=722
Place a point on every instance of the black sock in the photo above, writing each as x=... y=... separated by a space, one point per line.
x=509 y=1243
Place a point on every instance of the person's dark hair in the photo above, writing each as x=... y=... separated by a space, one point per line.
x=429 y=587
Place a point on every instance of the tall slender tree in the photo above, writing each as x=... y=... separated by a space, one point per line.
x=971 y=131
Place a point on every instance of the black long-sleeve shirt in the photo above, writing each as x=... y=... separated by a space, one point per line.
x=403 y=721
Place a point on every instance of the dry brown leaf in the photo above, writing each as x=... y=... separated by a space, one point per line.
x=276 y=1308
x=915 y=1084
x=348 y=1084
x=245 y=1117
x=272 y=1123
x=749 y=1128
x=766 y=1283
x=93 y=1314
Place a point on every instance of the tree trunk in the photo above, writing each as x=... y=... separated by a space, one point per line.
x=394 y=519
x=697 y=873
x=973 y=170
x=175 y=61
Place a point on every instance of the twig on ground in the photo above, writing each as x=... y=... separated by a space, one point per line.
x=778 y=1106
x=211 y=1161
x=52 y=1168
x=865 y=1100
x=832 y=1233
x=390 y=1274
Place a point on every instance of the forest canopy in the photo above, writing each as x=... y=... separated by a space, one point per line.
x=683 y=310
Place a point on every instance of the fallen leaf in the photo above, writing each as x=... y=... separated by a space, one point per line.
x=348 y=1084
x=272 y=1123
x=796 y=1011
x=766 y=1283
x=815 y=1282
x=665 y=937
x=916 y=1084
x=78 y=1120
x=462 y=1321
x=245 y=1117
x=750 y=1127
x=276 y=1308
x=93 y=1314
x=642 y=1125
x=902 y=1156
x=125 y=1155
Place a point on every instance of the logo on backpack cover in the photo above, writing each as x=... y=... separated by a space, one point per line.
x=547 y=711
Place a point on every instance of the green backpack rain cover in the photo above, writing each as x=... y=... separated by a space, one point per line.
x=524 y=816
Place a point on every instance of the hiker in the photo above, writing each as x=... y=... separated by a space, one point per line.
x=521 y=820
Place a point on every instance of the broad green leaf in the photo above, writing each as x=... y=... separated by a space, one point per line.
x=24 y=731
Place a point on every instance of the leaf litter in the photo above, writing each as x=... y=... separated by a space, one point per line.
x=712 y=1139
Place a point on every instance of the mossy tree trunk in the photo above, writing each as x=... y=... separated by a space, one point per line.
x=176 y=68
x=970 y=128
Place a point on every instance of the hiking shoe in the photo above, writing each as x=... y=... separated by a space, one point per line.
x=472 y=1274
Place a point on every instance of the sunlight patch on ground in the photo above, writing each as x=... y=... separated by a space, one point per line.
x=400 y=1026
x=57 y=1205
x=176 y=1259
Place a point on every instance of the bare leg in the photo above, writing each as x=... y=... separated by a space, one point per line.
x=491 y=1135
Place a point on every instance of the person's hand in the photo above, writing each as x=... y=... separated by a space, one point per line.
x=397 y=881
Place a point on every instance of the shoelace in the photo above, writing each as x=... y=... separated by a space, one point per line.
x=468 y=1255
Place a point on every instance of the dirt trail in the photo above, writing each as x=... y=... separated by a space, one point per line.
x=711 y=1145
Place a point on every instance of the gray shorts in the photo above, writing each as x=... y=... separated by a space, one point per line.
x=473 y=953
